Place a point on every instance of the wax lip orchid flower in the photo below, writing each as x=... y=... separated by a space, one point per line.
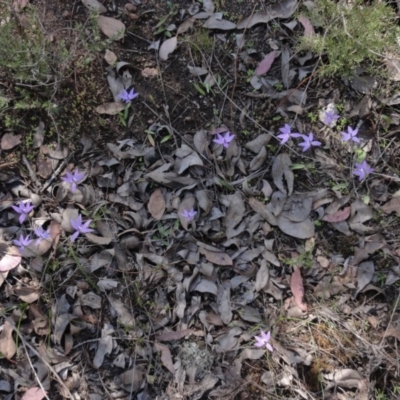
x=23 y=209
x=286 y=134
x=189 y=214
x=127 y=97
x=22 y=242
x=308 y=141
x=41 y=234
x=351 y=134
x=80 y=227
x=263 y=340
x=224 y=140
x=74 y=179
x=362 y=170
x=330 y=117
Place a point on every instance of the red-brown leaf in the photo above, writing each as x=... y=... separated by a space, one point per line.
x=338 y=216
x=296 y=285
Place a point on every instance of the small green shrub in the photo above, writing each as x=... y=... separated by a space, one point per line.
x=352 y=33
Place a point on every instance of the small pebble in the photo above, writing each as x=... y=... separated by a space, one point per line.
x=130 y=7
x=133 y=16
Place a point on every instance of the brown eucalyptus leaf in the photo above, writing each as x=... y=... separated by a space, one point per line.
x=174 y=335
x=216 y=257
x=262 y=276
x=299 y=230
x=167 y=48
x=35 y=393
x=338 y=216
x=122 y=310
x=166 y=357
x=264 y=66
x=262 y=210
x=258 y=161
x=234 y=214
x=308 y=28
x=104 y=347
x=280 y=169
x=297 y=207
x=224 y=302
x=365 y=273
x=111 y=27
x=282 y=9
x=260 y=141
x=132 y=379
x=185 y=26
x=296 y=285
x=156 y=204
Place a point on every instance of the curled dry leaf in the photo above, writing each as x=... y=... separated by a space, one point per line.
x=297 y=287
x=111 y=27
x=167 y=48
x=156 y=204
x=265 y=64
x=280 y=169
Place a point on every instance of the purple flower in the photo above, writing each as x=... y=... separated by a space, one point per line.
x=362 y=170
x=22 y=242
x=263 y=340
x=308 y=141
x=41 y=234
x=74 y=179
x=286 y=133
x=127 y=97
x=189 y=214
x=350 y=135
x=224 y=140
x=80 y=227
x=330 y=117
x=23 y=209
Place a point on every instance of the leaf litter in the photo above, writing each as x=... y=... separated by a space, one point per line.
x=151 y=273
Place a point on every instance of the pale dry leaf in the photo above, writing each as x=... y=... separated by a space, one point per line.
x=392 y=205
x=168 y=47
x=281 y=9
x=9 y=141
x=185 y=26
x=110 y=57
x=338 y=216
x=300 y=230
x=35 y=393
x=262 y=210
x=7 y=345
x=122 y=310
x=156 y=205
x=19 y=5
x=221 y=24
x=110 y=108
x=224 y=302
x=262 y=276
x=234 y=214
x=111 y=27
x=132 y=378
x=166 y=357
x=308 y=28
x=297 y=287
x=104 y=347
x=10 y=260
x=365 y=273
x=393 y=331
x=94 y=5
x=280 y=169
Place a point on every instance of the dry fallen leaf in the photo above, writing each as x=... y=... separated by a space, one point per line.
x=20 y=5
x=10 y=259
x=110 y=57
x=216 y=257
x=296 y=285
x=392 y=205
x=111 y=27
x=308 y=28
x=156 y=204
x=185 y=26
x=34 y=393
x=94 y=5
x=280 y=169
x=7 y=345
x=166 y=357
x=168 y=47
x=110 y=108
x=265 y=65
x=9 y=141
x=338 y=216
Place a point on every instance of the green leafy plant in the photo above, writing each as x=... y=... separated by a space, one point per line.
x=352 y=33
